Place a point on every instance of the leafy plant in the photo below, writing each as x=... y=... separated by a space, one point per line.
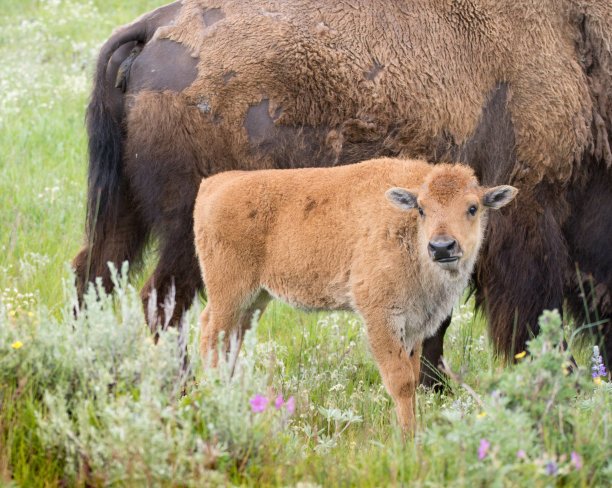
x=528 y=423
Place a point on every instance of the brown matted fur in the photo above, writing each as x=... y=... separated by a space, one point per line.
x=328 y=239
x=521 y=91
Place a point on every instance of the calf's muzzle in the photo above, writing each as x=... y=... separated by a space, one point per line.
x=444 y=248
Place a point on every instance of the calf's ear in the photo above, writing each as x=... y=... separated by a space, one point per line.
x=401 y=198
x=499 y=196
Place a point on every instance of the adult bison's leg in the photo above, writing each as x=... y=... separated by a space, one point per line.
x=111 y=241
x=431 y=356
x=589 y=235
x=165 y=141
x=176 y=279
x=521 y=271
x=115 y=230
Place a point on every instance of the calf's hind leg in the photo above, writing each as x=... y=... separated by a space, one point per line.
x=399 y=368
x=231 y=316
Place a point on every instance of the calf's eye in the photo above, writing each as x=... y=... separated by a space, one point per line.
x=473 y=209
x=421 y=211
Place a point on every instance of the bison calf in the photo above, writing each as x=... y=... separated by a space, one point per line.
x=393 y=240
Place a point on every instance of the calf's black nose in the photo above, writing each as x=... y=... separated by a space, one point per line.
x=443 y=247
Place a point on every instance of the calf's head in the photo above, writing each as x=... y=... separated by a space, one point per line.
x=452 y=214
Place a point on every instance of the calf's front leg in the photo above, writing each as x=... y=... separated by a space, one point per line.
x=399 y=368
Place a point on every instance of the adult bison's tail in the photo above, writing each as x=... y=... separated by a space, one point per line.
x=104 y=122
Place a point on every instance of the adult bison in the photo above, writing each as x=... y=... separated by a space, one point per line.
x=521 y=91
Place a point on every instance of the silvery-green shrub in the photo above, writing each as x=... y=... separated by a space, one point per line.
x=126 y=409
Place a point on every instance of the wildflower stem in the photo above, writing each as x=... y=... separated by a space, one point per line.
x=446 y=369
x=550 y=402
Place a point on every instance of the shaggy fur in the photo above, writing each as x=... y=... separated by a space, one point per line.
x=521 y=91
x=328 y=239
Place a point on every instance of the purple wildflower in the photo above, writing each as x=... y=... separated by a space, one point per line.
x=576 y=461
x=521 y=454
x=598 y=368
x=258 y=402
x=290 y=404
x=278 y=403
x=551 y=468
x=483 y=448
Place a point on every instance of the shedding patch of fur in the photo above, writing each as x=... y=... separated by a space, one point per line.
x=592 y=21
x=200 y=17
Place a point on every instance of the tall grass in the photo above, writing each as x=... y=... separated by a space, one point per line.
x=89 y=400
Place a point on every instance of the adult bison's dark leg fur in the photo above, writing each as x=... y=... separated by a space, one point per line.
x=123 y=240
x=176 y=278
x=433 y=349
x=165 y=141
x=521 y=271
x=589 y=235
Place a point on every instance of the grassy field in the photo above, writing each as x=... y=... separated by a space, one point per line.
x=91 y=401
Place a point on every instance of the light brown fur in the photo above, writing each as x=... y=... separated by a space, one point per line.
x=329 y=239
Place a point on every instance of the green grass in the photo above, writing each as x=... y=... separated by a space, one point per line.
x=91 y=401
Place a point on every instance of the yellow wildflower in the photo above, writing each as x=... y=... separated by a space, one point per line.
x=30 y=314
x=597 y=381
x=12 y=313
x=16 y=345
x=481 y=415
x=520 y=355
x=565 y=367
